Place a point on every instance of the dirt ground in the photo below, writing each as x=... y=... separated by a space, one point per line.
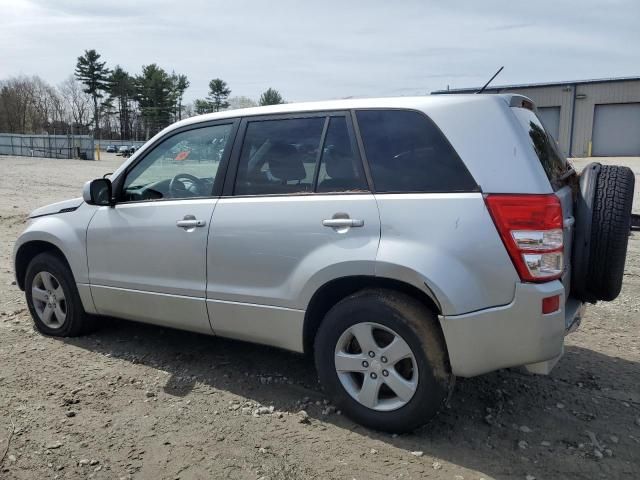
x=137 y=401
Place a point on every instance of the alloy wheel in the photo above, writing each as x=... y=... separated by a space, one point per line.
x=376 y=366
x=49 y=300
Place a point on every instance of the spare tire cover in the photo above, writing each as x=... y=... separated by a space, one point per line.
x=603 y=224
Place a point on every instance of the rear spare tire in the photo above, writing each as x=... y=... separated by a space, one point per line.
x=603 y=215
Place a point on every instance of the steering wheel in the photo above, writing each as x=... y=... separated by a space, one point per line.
x=194 y=187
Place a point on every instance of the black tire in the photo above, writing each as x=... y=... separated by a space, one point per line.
x=611 y=225
x=77 y=322
x=418 y=327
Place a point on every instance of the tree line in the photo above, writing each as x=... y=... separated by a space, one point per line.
x=111 y=103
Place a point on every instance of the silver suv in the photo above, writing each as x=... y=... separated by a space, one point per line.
x=401 y=241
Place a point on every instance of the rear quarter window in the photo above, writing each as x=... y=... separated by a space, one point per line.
x=406 y=152
x=555 y=165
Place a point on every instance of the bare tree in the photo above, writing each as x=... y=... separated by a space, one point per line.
x=16 y=97
x=45 y=115
x=30 y=105
x=241 y=102
x=77 y=104
x=188 y=110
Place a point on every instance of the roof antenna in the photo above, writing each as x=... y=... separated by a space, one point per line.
x=490 y=80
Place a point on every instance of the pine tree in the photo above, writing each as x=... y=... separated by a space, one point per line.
x=154 y=93
x=202 y=106
x=180 y=84
x=218 y=94
x=94 y=75
x=271 y=97
x=122 y=89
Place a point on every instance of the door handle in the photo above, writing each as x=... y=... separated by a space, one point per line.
x=342 y=222
x=189 y=221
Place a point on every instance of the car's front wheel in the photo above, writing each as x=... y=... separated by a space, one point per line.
x=53 y=299
x=381 y=356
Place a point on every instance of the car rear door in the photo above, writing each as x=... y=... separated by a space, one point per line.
x=296 y=213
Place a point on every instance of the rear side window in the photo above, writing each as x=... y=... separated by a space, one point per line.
x=406 y=152
x=279 y=156
x=285 y=156
x=554 y=163
x=340 y=167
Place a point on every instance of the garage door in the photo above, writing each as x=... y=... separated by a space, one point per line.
x=550 y=117
x=616 y=129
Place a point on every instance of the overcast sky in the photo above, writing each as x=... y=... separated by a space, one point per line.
x=331 y=48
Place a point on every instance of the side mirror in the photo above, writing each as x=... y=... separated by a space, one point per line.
x=97 y=192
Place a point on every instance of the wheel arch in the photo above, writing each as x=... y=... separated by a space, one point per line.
x=335 y=290
x=27 y=252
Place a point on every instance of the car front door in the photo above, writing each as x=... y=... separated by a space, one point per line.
x=297 y=213
x=147 y=254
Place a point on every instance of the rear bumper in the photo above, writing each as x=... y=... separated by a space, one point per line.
x=517 y=334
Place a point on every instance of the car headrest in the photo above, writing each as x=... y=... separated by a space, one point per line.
x=285 y=163
x=339 y=166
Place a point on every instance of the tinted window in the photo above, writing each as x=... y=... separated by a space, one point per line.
x=555 y=165
x=408 y=153
x=184 y=165
x=279 y=156
x=340 y=167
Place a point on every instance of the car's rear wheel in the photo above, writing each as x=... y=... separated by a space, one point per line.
x=53 y=299
x=381 y=357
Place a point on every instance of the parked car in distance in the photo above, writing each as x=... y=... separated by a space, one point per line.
x=126 y=150
x=402 y=242
x=111 y=149
x=123 y=150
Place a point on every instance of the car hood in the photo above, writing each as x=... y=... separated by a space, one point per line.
x=58 y=207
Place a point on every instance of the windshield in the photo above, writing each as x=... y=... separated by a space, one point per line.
x=555 y=165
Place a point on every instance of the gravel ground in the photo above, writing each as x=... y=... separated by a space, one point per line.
x=137 y=401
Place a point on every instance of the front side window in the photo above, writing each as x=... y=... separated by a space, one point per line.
x=184 y=165
x=408 y=153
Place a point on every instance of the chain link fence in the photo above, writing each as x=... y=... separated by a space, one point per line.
x=50 y=146
x=120 y=143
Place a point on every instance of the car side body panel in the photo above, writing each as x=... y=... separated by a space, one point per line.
x=167 y=310
x=448 y=240
x=267 y=253
x=258 y=323
x=275 y=250
x=67 y=232
x=65 y=206
x=492 y=145
x=145 y=268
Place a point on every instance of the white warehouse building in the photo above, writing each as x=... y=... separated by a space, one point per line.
x=586 y=117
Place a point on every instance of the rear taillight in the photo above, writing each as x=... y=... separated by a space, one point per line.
x=531 y=228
